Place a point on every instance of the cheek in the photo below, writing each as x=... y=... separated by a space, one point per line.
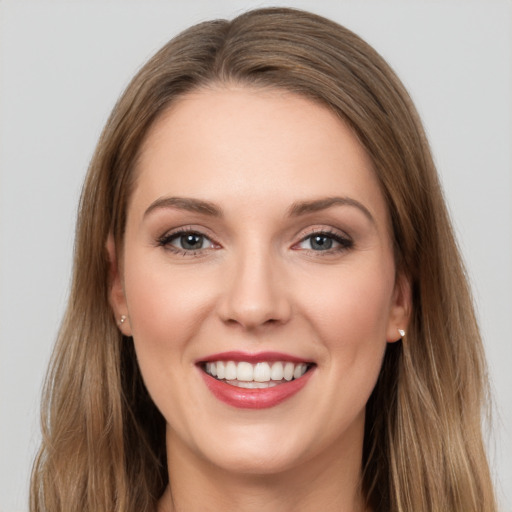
x=356 y=299
x=166 y=306
x=350 y=317
x=350 y=320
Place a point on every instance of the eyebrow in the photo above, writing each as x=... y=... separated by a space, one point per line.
x=185 y=203
x=296 y=209
x=301 y=208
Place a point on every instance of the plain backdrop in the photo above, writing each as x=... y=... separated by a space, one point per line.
x=63 y=65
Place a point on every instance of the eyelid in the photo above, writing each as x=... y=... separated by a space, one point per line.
x=343 y=240
x=323 y=230
x=165 y=239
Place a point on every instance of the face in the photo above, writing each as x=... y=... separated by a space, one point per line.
x=258 y=279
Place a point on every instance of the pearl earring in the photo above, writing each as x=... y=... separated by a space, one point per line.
x=122 y=319
x=401 y=332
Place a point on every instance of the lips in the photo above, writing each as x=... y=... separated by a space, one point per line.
x=255 y=381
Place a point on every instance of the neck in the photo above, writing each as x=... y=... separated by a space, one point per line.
x=329 y=482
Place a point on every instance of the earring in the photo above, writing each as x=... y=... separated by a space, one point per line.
x=122 y=320
x=401 y=332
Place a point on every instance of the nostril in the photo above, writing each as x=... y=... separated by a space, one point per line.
x=252 y=323
x=253 y=296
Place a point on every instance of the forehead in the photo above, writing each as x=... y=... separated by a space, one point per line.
x=264 y=146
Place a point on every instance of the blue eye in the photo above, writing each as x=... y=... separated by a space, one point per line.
x=189 y=241
x=186 y=242
x=323 y=242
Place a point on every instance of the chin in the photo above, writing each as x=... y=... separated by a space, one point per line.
x=250 y=462
x=258 y=450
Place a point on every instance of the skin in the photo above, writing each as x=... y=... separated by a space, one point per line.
x=259 y=284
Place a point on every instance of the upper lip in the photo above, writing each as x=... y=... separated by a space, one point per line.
x=252 y=357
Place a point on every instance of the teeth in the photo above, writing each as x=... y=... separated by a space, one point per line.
x=230 y=370
x=252 y=385
x=244 y=372
x=262 y=372
x=299 y=371
x=211 y=368
x=247 y=375
x=277 y=372
x=221 y=369
x=288 y=371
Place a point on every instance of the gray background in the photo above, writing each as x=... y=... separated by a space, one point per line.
x=62 y=66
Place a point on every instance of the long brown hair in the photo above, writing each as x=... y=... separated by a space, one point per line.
x=103 y=447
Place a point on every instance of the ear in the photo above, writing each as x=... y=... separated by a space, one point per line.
x=117 y=296
x=400 y=309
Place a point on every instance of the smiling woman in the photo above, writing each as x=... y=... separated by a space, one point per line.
x=268 y=307
x=277 y=296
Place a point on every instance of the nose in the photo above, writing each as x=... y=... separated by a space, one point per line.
x=255 y=292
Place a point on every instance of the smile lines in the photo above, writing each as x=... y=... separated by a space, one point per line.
x=259 y=375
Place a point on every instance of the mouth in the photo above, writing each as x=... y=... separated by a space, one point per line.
x=255 y=381
x=261 y=375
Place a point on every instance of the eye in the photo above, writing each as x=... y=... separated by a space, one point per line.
x=324 y=242
x=186 y=242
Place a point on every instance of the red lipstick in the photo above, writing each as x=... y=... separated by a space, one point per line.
x=236 y=355
x=254 y=398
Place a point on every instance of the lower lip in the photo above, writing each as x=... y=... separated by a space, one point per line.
x=244 y=398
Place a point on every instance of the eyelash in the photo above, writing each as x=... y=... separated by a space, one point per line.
x=345 y=243
x=165 y=242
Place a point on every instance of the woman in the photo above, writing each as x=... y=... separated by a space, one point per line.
x=268 y=305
